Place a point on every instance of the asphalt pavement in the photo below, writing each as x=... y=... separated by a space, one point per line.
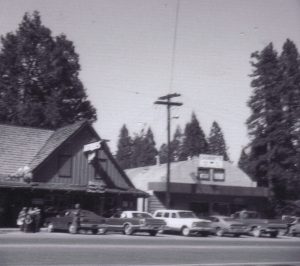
x=17 y=248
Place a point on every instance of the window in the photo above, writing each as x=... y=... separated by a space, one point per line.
x=159 y=214
x=65 y=166
x=203 y=174
x=174 y=215
x=219 y=175
x=166 y=215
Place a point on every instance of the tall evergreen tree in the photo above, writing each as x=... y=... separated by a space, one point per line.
x=194 y=141
x=177 y=145
x=143 y=149
x=163 y=153
x=124 y=151
x=216 y=142
x=270 y=159
x=39 y=83
x=150 y=152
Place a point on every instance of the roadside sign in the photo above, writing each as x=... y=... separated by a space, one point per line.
x=211 y=161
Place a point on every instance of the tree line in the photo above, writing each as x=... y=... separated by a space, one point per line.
x=140 y=150
x=273 y=153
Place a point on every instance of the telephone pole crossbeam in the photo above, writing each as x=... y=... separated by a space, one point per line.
x=169 y=104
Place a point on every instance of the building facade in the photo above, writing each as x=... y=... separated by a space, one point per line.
x=205 y=184
x=54 y=169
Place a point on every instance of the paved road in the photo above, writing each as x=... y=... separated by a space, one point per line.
x=114 y=249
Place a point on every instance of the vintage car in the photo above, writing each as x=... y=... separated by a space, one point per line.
x=294 y=227
x=130 y=222
x=63 y=222
x=258 y=226
x=185 y=222
x=224 y=225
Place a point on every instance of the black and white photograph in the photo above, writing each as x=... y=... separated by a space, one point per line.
x=150 y=133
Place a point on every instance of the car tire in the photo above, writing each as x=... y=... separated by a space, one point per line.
x=220 y=232
x=153 y=233
x=256 y=232
x=73 y=229
x=50 y=228
x=273 y=234
x=95 y=231
x=185 y=231
x=128 y=230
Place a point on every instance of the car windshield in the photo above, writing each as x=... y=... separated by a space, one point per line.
x=141 y=215
x=187 y=215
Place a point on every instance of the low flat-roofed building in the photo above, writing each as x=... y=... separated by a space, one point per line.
x=204 y=184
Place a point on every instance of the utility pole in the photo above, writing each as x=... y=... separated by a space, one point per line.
x=166 y=100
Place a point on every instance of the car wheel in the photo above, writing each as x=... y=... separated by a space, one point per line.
x=220 y=232
x=50 y=228
x=95 y=231
x=256 y=232
x=274 y=234
x=102 y=231
x=185 y=231
x=153 y=233
x=128 y=230
x=73 y=229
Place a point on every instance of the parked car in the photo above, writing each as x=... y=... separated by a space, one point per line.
x=63 y=221
x=224 y=225
x=185 y=222
x=130 y=222
x=294 y=227
x=258 y=226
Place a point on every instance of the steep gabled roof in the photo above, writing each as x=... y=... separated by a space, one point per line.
x=26 y=146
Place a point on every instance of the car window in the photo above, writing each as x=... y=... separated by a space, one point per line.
x=166 y=215
x=141 y=215
x=158 y=214
x=186 y=215
x=214 y=219
x=174 y=215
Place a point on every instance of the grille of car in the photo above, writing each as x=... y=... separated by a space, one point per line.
x=155 y=222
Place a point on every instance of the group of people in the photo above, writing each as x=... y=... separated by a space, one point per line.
x=29 y=219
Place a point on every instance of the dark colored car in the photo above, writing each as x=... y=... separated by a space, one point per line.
x=130 y=222
x=63 y=222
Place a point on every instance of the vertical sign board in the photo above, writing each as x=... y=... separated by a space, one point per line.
x=211 y=161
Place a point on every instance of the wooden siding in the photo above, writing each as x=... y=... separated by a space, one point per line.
x=82 y=171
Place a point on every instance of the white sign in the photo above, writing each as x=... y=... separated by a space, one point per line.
x=211 y=161
x=92 y=146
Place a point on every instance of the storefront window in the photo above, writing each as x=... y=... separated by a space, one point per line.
x=204 y=174
x=219 y=175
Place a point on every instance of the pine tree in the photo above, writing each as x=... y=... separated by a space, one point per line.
x=39 y=83
x=124 y=151
x=177 y=145
x=270 y=159
x=194 y=142
x=163 y=153
x=143 y=149
x=216 y=142
x=150 y=152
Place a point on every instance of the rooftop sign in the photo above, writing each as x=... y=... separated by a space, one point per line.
x=211 y=161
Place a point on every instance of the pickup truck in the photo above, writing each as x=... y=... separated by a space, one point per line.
x=258 y=226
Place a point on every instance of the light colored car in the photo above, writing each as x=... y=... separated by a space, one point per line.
x=224 y=225
x=294 y=227
x=185 y=222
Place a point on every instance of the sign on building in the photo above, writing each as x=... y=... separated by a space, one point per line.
x=92 y=146
x=211 y=161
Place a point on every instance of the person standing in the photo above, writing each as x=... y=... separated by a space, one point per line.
x=76 y=220
x=21 y=218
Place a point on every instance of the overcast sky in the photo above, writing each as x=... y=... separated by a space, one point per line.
x=125 y=49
